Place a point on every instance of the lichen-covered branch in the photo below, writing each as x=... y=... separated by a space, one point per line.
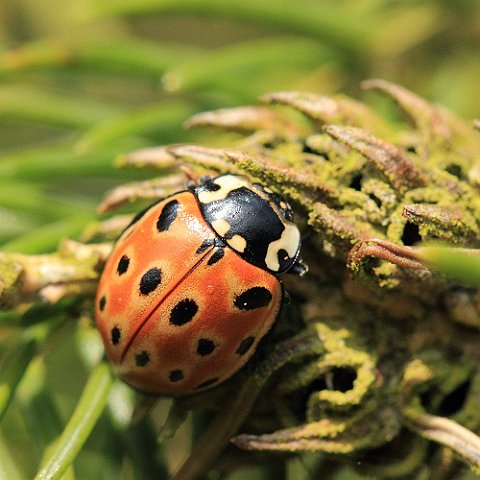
x=73 y=270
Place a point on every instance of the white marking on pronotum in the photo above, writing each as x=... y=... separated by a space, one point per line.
x=238 y=243
x=289 y=241
x=227 y=183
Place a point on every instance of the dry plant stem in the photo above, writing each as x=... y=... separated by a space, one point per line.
x=327 y=110
x=209 y=158
x=147 y=190
x=384 y=250
x=262 y=168
x=433 y=124
x=73 y=270
x=227 y=422
x=154 y=157
x=397 y=167
x=462 y=441
x=231 y=417
x=446 y=432
x=245 y=120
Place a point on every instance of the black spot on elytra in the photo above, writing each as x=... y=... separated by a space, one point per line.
x=207 y=383
x=142 y=358
x=116 y=334
x=175 y=375
x=255 y=297
x=150 y=281
x=245 y=345
x=102 y=303
x=205 y=347
x=183 y=312
x=168 y=215
x=208 y=242
x=217 y=255
x=123 y=264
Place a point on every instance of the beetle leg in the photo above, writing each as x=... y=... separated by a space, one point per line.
x=299 y=267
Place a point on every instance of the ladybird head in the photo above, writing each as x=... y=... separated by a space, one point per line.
x=276 y=200
x=252 y=220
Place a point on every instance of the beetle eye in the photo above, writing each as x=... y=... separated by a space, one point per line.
x=211 y=186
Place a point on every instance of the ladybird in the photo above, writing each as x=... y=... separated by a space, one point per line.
x=191 y=286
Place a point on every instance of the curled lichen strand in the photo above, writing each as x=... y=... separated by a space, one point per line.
x=335 y=421
x=449 y=224
x=390 y=160
x=299 y=186
x=342 y=232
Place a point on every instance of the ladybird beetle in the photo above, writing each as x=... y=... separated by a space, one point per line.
x=191 y=286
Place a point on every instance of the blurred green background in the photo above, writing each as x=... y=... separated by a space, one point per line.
x=82 y=81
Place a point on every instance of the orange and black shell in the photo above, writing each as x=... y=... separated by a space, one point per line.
x=179 y=309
